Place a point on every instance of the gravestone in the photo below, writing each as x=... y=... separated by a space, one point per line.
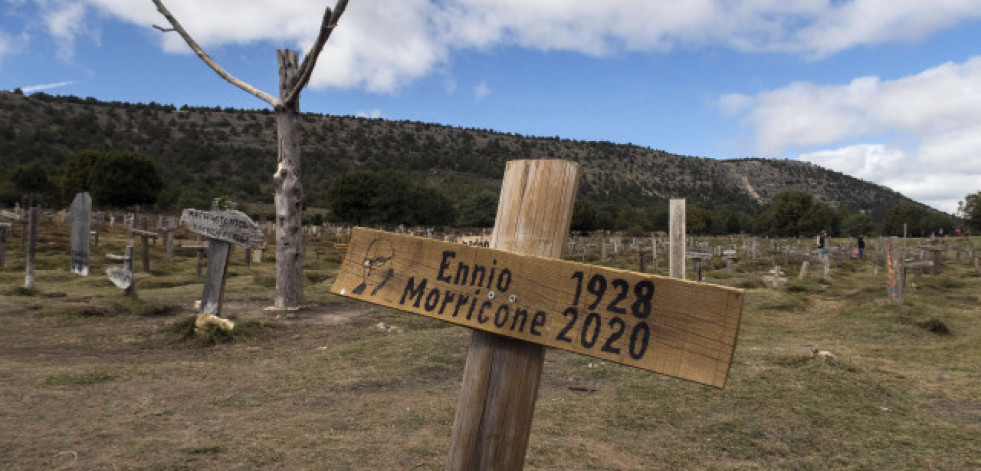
x=222 y=228
x=81 y=212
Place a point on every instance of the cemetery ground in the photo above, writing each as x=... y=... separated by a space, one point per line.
x=93 y=379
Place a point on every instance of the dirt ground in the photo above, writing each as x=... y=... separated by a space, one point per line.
x=92 y=381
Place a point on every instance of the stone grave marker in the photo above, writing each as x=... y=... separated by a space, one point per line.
x=222 y=228
x=81 y=212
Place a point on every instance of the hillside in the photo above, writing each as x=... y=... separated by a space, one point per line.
x=213 y=151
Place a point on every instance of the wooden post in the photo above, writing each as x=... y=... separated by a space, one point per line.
x=214 y=278
x=501 y=376
x=894 y=271
x=677 y=234
x=32 y=221
x=145 y=253
x=81 y=213
x=128 y=267
x=3 y=243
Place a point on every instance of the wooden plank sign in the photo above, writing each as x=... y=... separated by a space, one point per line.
x=670 y=326
x=223 y=228
x=228 y=226
x=81 y=211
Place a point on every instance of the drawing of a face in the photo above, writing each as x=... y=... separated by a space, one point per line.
x=376 y=268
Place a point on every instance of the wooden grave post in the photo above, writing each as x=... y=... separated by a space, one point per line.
x=31 y=232
x=144 y=236
x=677 y=241
x=696 y=261
x=519 y=299
x=222 y=228
x=731 y=256
x=501 y=376
x=81 y=213
x=894 y=271
x=3 y=243
x=168 y=227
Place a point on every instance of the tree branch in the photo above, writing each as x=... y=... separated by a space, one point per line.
x=310 y=60
x=275 y=102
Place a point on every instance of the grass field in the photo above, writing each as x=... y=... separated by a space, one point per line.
x=91 y=379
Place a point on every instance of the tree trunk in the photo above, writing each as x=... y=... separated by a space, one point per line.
x=289 y=193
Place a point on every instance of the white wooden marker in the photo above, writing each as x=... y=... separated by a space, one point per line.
x=677 y=239
x=81 y=211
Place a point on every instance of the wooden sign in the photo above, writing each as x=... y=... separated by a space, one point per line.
x=81 y=211
x=223 y=228
x=675 y=327
x=228 y=226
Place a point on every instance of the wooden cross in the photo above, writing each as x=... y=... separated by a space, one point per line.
x=123 y=277
x=222 y=228
x=696 y=262
x=518 y=302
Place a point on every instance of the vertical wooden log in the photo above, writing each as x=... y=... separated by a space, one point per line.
x=145 y=252
x=3 y=245
x=289 y=192
x=31 y=232
x=677 y=242
x=501 y=376
x=169 y=242
x=894 y=271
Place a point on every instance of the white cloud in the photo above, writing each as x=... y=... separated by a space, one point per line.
x=481 y=91
x=927 y=126
x=46 y=86
x=382 y=45
x=372 y=114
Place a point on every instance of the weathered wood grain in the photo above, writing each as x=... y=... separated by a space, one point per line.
x=691 y=327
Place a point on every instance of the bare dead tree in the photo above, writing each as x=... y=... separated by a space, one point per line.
x=289 y=192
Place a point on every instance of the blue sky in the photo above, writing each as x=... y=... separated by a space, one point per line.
x=885 y=90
